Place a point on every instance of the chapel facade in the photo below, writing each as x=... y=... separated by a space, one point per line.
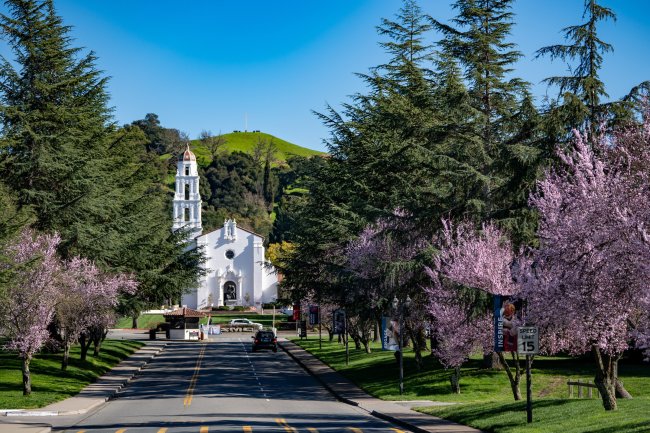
x=236 y=271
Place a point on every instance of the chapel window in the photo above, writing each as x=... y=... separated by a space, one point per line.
x=187 y=213
x=187 y=191
x=187 y=171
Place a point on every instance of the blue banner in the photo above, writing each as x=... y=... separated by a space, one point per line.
x=498 y=324
x=389 y=334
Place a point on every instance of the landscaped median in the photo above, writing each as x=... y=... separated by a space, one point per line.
x=486 y=400
x=49 y=383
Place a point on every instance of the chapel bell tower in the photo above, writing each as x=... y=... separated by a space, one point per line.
x=187 y=200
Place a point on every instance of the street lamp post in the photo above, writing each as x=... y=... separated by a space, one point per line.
x=400 y=307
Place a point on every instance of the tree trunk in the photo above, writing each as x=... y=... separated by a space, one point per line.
x=455 y=380
x=66 y=355
x=605 y=378
x=514 y=379
x=134 y=324
x=621 y=392
x=331 y=335
x=27 y=378
x=492 y=361
x=85 y=345
x=357 y=342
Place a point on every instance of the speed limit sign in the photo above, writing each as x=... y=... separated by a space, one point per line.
x=528 y=340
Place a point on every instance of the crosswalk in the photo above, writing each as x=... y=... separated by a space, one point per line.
x=281 y=422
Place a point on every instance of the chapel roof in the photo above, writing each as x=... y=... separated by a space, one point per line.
x=188 y=155
x=238 y=228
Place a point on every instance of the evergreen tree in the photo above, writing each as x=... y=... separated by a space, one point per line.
x=582 y=91
x=93 y=183
x=505 y=131
x=53 y=114
x=380 y=160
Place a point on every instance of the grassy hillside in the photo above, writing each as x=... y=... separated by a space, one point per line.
x=246 y=141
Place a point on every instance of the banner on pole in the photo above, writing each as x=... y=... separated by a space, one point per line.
x=389 y=334
x=506 y=319
x=313 y=315
x=338 y=325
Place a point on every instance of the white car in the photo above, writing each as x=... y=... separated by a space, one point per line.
x=245 y=322
x=287 y=310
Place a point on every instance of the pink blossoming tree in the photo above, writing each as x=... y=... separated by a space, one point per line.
x=476 y=260
x=382 y=262
x=86 y=296
x=587 y=285
x=30 y=296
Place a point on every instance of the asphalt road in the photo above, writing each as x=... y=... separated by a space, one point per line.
x=223 y=387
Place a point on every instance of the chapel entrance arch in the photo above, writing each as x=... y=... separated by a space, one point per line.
x=230 y=291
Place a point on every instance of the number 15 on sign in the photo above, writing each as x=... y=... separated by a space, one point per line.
x=528 y=340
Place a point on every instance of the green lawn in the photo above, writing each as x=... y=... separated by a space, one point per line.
x=486 y=400
x=49 y=383
x=148 y=321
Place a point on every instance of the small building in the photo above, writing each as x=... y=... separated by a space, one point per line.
x=184 y=324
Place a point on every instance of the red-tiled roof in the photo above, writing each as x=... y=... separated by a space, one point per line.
x=188 y=155
x=184 y=312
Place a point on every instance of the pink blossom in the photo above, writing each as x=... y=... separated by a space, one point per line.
x=586 y=285
x=481 y=260
x=30 y=292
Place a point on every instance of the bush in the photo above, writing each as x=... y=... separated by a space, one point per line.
x=223 y=308
x=239 y=308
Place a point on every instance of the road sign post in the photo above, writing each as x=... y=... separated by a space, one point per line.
x=528 y=344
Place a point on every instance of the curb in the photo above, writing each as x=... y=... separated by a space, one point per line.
x=318 y=378
x=112 y=388
x=427 y=427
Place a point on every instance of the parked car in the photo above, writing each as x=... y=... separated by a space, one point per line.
x=245 y=322
x=265 y=340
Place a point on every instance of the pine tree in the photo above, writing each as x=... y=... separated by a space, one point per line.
x=93 y=183
x=54 y=115
x=505 y=131
x=582 y=91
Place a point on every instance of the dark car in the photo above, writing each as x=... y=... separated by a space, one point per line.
x=265 y=340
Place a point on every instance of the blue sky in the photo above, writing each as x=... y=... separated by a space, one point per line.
x=209 y=64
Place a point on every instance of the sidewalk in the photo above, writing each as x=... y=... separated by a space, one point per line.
x=91 y=396
x=349 y=393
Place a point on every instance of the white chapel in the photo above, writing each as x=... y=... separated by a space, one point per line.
x=237 y=274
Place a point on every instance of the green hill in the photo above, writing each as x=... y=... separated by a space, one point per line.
x=246 y=141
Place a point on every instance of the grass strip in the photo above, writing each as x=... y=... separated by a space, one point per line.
x=49 y=383
x=486 y=400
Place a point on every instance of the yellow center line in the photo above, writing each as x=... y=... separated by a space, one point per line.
x=355 y=430
x=204 y=429
x=122 y=430
x=312 y=429
x=247 y=429
x=396 y=430
x=190 y=389
x=162 y=430
x=283 y=423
